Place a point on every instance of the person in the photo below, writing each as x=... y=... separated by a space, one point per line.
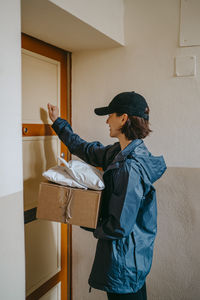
x=127 y=222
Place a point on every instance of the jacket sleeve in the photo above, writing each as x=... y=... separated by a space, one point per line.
x=124 y=205
x=92 y=153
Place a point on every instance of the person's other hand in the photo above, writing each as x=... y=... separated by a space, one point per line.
x=53 y=112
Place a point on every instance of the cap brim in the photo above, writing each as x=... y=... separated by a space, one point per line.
x=102 y=111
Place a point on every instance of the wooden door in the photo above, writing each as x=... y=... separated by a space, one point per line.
x=45 y=78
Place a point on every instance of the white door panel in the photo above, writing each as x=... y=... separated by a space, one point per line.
x=41 y=84
x=53 y=294
x=39 y=154
x=43 y=252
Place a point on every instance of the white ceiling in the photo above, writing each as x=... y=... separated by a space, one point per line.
x=50 y=23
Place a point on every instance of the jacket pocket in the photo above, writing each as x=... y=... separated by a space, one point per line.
x=134 y=253
x=130 y=268
x=114 y=266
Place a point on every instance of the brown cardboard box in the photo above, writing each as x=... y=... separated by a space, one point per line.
x=68 y=205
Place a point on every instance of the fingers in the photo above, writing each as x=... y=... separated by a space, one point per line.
x=50 y=110
x=51 y=107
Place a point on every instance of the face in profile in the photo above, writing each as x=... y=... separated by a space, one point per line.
x=115 y=123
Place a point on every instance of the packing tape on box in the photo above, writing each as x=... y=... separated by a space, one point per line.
x=65 y=199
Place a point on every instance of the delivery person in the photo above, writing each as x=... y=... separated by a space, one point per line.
x=127 y=223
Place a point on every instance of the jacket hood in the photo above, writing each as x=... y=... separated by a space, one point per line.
x=153 y=166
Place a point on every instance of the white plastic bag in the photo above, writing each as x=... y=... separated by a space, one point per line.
x=59 y=175
x=84 y=174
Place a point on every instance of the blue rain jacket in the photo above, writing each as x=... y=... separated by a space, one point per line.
x=127 y=223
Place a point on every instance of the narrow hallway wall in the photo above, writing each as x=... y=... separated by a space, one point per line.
x=12 y=261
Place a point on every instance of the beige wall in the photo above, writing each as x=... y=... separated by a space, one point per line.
x=91 y=12
x=12 y=264
x=147 y=65
x=75 y=25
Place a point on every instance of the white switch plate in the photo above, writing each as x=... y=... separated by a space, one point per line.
x=185 y=66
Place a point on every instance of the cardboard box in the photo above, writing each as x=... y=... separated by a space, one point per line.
x=68 y=205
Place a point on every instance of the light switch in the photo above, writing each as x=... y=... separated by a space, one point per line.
x=185 y=66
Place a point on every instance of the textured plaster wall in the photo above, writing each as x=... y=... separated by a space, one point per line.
x=175 y=270
x=147 y=65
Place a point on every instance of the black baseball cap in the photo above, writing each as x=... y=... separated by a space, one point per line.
x=130 y=103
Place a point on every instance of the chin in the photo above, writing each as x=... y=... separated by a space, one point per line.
x=112 y=134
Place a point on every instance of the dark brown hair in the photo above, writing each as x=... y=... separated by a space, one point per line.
x=135 y=127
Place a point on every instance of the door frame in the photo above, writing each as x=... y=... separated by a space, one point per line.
x=64 y=57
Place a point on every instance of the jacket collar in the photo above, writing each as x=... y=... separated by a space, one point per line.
x=124 y=153
x=127 y=150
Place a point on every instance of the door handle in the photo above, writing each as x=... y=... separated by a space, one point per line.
x=25 y=130
x=62 y=155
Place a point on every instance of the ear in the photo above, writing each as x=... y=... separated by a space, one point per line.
x=124 y=118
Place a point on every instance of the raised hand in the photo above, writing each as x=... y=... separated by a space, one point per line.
x=53 y=112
